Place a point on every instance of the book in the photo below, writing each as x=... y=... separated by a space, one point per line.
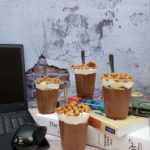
x=137 y=140
x=140 y=107
x=136 y=94
x=50 y=121
x=117 y=127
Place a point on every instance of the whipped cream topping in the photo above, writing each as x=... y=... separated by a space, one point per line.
x=46 y=86
x=85 y=69
x=73 y=113
x=46 y=83
x=82 y=118
x=117 y=80
x=117 y=84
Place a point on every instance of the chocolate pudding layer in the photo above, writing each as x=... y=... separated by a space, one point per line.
x=85 y=85
x=47 y=100
x=116 y=102
x=73 y=136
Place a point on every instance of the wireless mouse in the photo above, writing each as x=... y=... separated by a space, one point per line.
x=28 y=137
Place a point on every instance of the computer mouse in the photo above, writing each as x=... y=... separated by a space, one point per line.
x=28 y=137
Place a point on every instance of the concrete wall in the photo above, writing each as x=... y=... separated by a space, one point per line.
x=60 y=29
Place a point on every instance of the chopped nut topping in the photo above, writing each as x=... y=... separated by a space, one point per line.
x=47 y=80
x=118 y=77
x=85 y=66
x=91 y=64
x=73 y=109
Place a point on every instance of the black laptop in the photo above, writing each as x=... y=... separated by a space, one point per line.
x=13 y=102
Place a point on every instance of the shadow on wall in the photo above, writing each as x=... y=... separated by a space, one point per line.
x=38 y=70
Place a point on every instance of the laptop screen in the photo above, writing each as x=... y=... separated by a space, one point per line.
x=11 y=74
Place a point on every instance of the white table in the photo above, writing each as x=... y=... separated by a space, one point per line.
x=55 y=142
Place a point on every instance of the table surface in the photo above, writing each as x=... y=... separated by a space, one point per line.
x=55 y=142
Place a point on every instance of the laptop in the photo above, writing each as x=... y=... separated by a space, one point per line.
x=13 y=101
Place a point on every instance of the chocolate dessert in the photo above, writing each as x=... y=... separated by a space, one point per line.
x=85 y=75
x=77 y=138
x=73 y=122
x=47 y=93
x=85 y=85
x=117 y=90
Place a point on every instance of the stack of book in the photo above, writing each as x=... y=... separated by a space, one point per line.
x=132 y=133
x=137 y=140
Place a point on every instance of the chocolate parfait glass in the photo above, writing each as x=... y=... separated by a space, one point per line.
x=47 y=93
x=73 y=123
x=85 y=75
x=117 y=89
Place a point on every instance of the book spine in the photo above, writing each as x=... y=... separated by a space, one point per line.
x=102 y=126
x=106 y=141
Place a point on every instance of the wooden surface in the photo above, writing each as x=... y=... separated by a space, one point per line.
x=55 y=142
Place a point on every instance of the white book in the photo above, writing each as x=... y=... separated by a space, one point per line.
x=117 y=127
x=50 y=121
x=137 y=140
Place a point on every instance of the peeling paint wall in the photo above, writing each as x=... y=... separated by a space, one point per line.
x=60 y=29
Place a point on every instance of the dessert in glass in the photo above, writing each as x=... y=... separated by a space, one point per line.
x=73 y=123
x=47 y=93
x=117 y=89
x=85 y=75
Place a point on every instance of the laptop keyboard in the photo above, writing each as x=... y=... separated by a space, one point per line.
x=10 y=122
